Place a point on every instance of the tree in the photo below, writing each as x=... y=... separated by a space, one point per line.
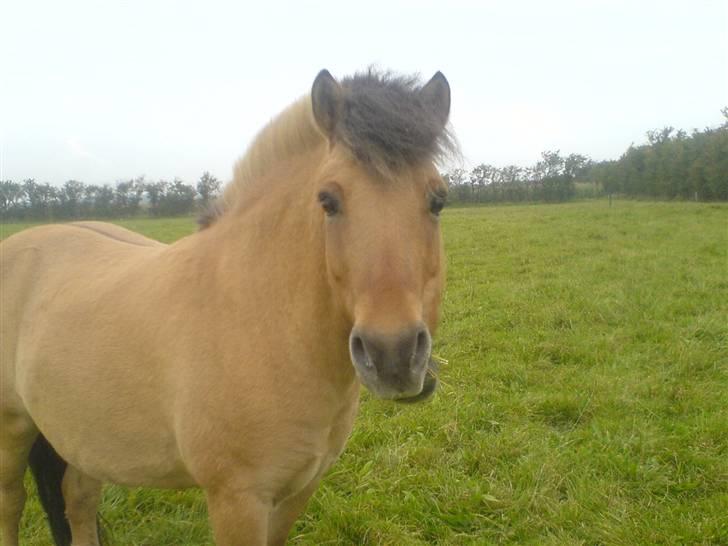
x=128 y=195
x=672 y=164
x=104 y=202
x=42 y=199
x=658 y=136
x=71 y=194
x=157 y=192
x=180 y=198
x=575 y=165
x=481 y=177
x=455 y=181
x=11 y=197
x=207 y=187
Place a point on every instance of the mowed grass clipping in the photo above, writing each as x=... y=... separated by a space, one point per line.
x=585 y=400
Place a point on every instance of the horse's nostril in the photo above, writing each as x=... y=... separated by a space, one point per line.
x=359 y=352
x=394 y=357
x=422 y=340
x=422 y=346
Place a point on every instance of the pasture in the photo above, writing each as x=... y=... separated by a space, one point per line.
x=585 y=398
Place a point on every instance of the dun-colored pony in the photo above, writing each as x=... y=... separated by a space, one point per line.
x=231 y=360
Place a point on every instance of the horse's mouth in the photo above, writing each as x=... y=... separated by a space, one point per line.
x=428 y=388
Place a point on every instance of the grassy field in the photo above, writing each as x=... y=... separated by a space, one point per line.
x=585 y=400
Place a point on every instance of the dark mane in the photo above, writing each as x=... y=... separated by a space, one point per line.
x=387 y=125
x=385 y=121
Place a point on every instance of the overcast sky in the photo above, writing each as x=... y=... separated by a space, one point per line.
x=100 y=91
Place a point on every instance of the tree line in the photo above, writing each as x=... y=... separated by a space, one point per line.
x=551 y=179
x=31 y=200
x=670 y=165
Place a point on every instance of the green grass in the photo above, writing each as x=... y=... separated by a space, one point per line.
x=585 y=400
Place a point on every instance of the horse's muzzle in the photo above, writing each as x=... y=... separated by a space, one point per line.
x=393 y=367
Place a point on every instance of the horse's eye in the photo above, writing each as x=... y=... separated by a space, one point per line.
x=437 y=203
x=329 y=203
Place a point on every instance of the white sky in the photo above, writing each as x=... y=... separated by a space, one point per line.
x=100 y=91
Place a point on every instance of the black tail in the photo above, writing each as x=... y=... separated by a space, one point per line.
x=48 y=468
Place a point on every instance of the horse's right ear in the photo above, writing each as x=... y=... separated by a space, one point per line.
x=326 y=101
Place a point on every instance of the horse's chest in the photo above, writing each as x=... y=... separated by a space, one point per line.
x=315 y=452
x=304 y=465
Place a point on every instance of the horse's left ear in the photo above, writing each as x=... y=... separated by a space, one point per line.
x=326 y=101
x=436 y=96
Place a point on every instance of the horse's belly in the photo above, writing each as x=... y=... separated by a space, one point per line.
x=150 y=466
x=144 y=473
x=113 y=454
x=102 y=422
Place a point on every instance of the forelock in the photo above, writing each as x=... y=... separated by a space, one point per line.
x=387 y=125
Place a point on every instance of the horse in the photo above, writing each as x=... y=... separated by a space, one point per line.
x=232 y=360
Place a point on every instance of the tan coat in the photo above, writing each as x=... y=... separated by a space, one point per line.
x=221 y=361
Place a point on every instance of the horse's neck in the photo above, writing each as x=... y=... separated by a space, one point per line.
x=269 y=253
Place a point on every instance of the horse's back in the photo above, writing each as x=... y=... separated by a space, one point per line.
x=34 y=257
x=61 y=239
x=117 y=233
x=75 y=245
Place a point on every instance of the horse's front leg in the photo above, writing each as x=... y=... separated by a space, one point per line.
x=287 y=512
x=239 y=517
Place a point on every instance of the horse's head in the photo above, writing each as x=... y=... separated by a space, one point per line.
x=380 y=197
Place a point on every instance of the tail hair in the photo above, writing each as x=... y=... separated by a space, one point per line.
x=48 y=469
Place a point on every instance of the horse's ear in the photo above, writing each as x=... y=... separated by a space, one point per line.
x=326 y=101
x=436 y=96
